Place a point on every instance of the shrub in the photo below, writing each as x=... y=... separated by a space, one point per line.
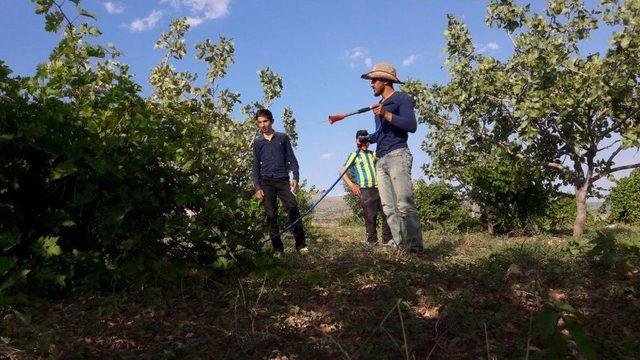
x=98 y=182
x=624 y=200
x=439 y=205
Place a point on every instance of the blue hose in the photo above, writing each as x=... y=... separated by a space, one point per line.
x=312 y=207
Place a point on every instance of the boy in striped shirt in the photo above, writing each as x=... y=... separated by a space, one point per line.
x=366 y=189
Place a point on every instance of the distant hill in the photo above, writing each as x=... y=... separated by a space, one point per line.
x=332 y=208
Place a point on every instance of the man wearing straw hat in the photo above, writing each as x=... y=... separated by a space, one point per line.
x=394 y=121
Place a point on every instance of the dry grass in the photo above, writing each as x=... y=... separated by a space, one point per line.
x=466 y=297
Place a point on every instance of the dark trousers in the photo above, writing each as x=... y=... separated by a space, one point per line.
x=280 y=188
x=371 y=205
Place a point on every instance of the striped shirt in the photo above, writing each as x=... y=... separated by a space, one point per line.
x=364 y=168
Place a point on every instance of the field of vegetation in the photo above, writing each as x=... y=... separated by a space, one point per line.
x=129 y=226
x=468 y=296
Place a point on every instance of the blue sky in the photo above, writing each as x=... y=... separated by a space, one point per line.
x=319 y=47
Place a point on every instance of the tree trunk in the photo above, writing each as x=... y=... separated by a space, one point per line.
x=488 y=217
x=490 y=229
x=581 y=204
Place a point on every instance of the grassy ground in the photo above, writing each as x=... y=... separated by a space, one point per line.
x=468 y=296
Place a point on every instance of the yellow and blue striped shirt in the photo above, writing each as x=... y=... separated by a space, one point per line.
x=364 y=168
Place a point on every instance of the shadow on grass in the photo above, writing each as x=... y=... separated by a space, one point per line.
x=465 y=298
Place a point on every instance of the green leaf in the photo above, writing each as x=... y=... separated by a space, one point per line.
x=585 y=346
x=84 y=12
x=223 y=263
x=52 y=92
x=14 y=278
x=64 y=169
x=49 y=246
x=96 y=51
x=94 y=31
x=546 y=322
x=5 y=138
x=6 y=263
x=624 y=43
x=9 y=239
x=127 y=244
x=68 y=223
x=53 y=21
x=44 y=7
x=567 y=308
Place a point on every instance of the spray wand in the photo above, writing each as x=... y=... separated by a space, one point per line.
x=338 y=117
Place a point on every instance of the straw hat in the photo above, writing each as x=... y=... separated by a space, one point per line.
x=382 y=71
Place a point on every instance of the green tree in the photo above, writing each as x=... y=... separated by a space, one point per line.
x=547 y=104
x=624 y=200
x=97 y=181
x=289 y=122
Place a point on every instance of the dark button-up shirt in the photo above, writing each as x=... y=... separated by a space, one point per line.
x=273 y=158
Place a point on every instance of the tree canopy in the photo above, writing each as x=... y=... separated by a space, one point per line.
x=548 y=104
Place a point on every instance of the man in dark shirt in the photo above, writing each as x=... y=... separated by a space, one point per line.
x=272 y=159
x=395 y=119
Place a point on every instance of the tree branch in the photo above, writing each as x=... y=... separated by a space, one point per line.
x=613 y=154
x=615 y=169
x=619 y=124
x=576 y=71
x=578 y=126
x=608 y=146
x=59 y=6
x=550 y=164
x=502 y=104
x=511 y=38
x=600 y=113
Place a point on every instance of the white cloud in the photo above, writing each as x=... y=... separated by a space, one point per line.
x=327 y=156
x=488 y=47
x=356 y=53
x=194 y=21
x=173 y=3
x=201 y=10
x=358 y=56
x=113 y=8
x=368 y=62
x=146 y=23
x=410 y=60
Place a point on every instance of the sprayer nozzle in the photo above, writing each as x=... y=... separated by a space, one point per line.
x=334 y=118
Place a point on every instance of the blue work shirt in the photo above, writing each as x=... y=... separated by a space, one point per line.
x=393 y=135
x=272 y=159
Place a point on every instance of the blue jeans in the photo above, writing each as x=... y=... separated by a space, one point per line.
x=396 y=192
